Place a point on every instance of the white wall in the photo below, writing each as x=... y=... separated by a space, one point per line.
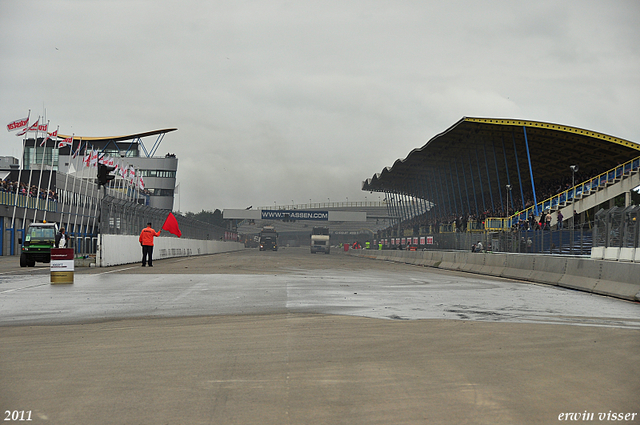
x=125 y=249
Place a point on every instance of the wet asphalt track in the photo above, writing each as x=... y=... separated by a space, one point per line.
x=297 y=282
x=292 y=338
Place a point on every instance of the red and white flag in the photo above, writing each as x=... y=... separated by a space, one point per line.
x=66 y=142
x=34 y=127
x=132 y=175
x=75 y=154
x=43 y=127
x=18 y=124
x=49 y=135
x=87 y=157
x=140 y=184
x=93 y=162
x=119 y=169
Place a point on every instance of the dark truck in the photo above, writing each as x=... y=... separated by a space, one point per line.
x=38 y=241
x=268 y=239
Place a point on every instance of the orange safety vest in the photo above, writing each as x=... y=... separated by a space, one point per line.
x=146 y=236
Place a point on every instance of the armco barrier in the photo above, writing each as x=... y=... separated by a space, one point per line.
x=612 y=278
x=125 y=249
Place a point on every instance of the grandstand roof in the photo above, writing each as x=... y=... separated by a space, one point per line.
x=121 y=138
x=477 y=151
x=552 y=148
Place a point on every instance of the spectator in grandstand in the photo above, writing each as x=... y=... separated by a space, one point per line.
x=560 y=218
x=547 y=222
x=543 y=219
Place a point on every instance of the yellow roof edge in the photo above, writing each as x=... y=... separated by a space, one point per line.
x=118 y=138
x=557 y=127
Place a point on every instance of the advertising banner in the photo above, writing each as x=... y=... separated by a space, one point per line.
x=295 y=215
x=62 y=265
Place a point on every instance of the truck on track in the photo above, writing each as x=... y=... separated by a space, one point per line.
x=320 y=240
x=268 y=239
x=38 y=241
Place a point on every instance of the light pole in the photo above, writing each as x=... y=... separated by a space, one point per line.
x=574 y=169
x=508 y=193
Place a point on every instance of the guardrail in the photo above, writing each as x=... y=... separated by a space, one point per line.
x=9 y=199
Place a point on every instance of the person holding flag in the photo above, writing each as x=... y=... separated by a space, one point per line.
x=146 y=242
x=147 y=235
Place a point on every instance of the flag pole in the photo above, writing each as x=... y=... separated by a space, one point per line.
x=24 y=217
x=75 y=219
x=44 y=153
x=15 y=202
x=66 y=198
x=46 y=205
x=73 y=189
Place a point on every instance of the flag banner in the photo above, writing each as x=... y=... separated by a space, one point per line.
x=18 y=124
x=132 y=175
x=86 y=159
x=121 y=170
x=93 y=162
x=75 y=154
x=171 y=225
x=43 y=127
x=66 y=142
x=34 y=127
x=141 y=184
x=49 y=135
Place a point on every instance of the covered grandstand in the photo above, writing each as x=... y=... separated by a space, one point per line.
x=491 y=174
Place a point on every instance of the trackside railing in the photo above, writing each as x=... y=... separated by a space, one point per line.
x=560 y=200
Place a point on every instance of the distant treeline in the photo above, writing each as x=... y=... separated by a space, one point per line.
x=211 y=217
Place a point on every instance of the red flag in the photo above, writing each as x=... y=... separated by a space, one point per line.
x=171 y=225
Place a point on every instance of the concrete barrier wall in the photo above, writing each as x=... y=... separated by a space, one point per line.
x=125 y=249
x=612 y=278
x=548 y=269
x=519 y=266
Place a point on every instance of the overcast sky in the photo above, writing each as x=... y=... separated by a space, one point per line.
x=281 y=101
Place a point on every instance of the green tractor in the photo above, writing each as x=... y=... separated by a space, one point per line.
x=38 y=241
